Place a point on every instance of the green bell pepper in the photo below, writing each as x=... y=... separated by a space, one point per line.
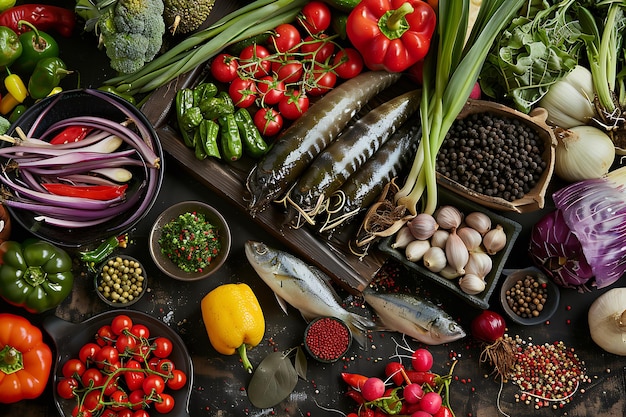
x=46 y=76
x=36 y=45
x=35 y=275
x=10 y=46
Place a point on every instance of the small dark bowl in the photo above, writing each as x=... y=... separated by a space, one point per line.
x=75 y=103
x=329 y=339
x=213 y=216
x=69 y=337
x=117 y=304
x=552 y=302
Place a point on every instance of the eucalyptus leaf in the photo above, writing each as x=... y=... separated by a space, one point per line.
x=274 y=379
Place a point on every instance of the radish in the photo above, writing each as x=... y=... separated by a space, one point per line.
x=413 y=393
x=373 y=389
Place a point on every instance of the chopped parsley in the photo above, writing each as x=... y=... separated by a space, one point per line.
x=190 y=241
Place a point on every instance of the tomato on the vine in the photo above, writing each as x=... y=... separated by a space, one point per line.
x=111 y=385
x=285 y=38
x=177 y=381
x=120 y=323
x=81 y=411
x=315 y=16
x=224 y=67
x=120 y=398
x=153 y=384
x=289 y=71
x=165 y=366
x=316 y=48
x=93 y=377
x=105 y=335
x=268 y=121
x=125 y=343
x=137 y=399
x=270 y=89
x=127 y=412
x=88 y=352
x=109 y=412
x=320 y=81
x=243 y=91
x=294 y=104
x=141 y=413
x=253 y=61
x=140 y=331
x=92 y=400
x=107 y=355
x=348 y=63
x=66 y=386
x=73 y=367
x=164 y=404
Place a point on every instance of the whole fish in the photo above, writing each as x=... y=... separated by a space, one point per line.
x=303 y=286
x=414 y=316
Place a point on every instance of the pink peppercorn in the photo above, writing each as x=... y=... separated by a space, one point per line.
x=327 y=339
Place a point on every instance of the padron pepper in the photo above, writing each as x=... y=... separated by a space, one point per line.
x=234 y=320
x=47 y=75
x=36 y=45
x=10 y=46
x=35 y=275
x=25 y=359
x=391 y=35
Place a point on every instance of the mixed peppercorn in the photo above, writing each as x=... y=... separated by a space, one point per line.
x=527 y=297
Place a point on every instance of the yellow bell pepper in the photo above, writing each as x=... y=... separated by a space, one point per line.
x=234 y=320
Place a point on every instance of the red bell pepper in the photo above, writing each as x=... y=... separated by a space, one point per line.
x=391 y=35
x=43 y=16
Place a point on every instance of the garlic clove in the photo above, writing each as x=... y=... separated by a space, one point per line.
x=439 y=238
x=449 y=272
x=403 y=238
x=479 y=221
x=494 y=240
x=423 y=226
x=435 y=259
x=456 y=252
x=479 y=263
x=472 y=284
x=448 y=217
x=470 y=237
x=416 y=249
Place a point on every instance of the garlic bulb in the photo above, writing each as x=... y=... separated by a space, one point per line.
x=470 y=237
x=495 y=240
x=439 y=238
x=607 y=321
x=456 y=252
x=423 y=226
x=416 y=249
x=583 y=153
x=435 y=259
x=479 y=264
x=472 y=284
x=479 y=221
x=448 y=217
x=403 y=238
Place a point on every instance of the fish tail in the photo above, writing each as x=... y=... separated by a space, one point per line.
x=359 y=326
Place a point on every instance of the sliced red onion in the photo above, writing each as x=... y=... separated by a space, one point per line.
x=78 y=157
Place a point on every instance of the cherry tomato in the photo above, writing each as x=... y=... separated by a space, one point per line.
x=270 y=89
x=153 y=363
x=422 y=360
x=137 y=399
x=348 y=63
x=320 y=81
x=125 y=343
x=127 y=412
x=164 y=404
x=92 y=377
x=120 y=398
x=105 y=335
x=109 y=412
x=92 y=400
x=315 y=16
x=253 y=61
x=120 y=323
x=153 y=384
x=88 y=352
x=293 y=105
x=268 y=121
x=111 y=386
x=73 y=367
x=140 y=331
x=107 y=355
x=285 y=38
x=141 y=413
x=224 y=67
x=165 y=367
x=81 y=411
x=290 y=71
x=177 y=381
x=316 y=48
x=162 y=347
x=142 y=350
x=134 y=379
x=243 y=91
x=66 y=386
x=110 y=368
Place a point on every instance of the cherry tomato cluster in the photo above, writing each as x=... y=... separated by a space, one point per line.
x=298 y=61
x=121 y=373
x=413 y=391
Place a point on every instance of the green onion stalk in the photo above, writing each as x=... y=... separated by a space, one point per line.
x=250 y=20
x=450 y=72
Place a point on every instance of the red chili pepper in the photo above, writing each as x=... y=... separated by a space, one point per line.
x=71 y=134
x=94 y=192
x=43 y=16
x=391 y=35
x=419 y=377
x=356 y=381
x=443 y=412
x=394 y=370
x=355 y=395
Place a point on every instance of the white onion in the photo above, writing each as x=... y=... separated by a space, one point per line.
x=583 y=153
x=569 y=101
x=607 y=321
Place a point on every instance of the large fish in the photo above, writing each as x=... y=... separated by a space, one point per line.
x=303 y=286
x=414 y=316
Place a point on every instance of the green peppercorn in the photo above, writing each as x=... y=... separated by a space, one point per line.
x=121 y=280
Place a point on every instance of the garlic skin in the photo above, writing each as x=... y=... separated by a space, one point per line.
x=582 y=153
x=470 y=237
x=456 y=252
x=607 y=321
x=448 y=217
x=494 y=240
x=479 y=221
x=423 y=226
x=472 y=284
x=479 y=264
x=403 y=238
x=439 y=238
x=416 y=249
x=435 y=259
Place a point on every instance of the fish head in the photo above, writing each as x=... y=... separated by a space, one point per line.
x=446 y=330
x=264 y=260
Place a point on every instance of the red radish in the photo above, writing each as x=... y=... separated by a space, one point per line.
x=421 y=413
x=476 y=93
x=373 y=389
x=422 y=360
x=431 y=402
x=413 y=393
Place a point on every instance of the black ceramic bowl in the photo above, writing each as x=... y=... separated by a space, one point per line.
x=70 y=337
x=74 y=103
x=327 y=339
x=117 y=301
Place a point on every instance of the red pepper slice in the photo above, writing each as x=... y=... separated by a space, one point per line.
x=71 y=134
x=94 y=192
x=391 y=35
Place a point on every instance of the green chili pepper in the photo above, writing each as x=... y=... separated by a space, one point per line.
x=202 y=92
x=191 y=118
x=106 y=248
x=112 y=90
x=36 y=45
x=47 y=75
x=209 y=131
x=230 y=138
x=184 y=101
x=35 y=275
x=199 y=147
x=391 y=404
x=17 y=112
x=228 y=101
x=10 y=46
x=214 y=107
x=253 y=142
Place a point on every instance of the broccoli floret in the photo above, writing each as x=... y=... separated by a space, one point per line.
x=131 y=31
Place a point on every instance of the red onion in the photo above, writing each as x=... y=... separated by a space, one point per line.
x=499 y=350
x=488 y=326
